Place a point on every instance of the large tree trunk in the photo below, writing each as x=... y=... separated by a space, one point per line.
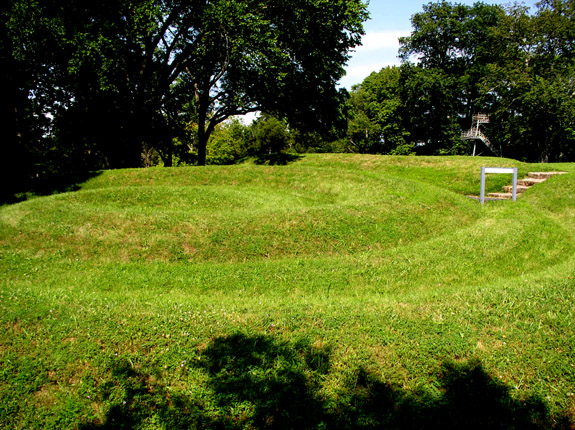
x=203 y=131
x=168 y=160
x=167 y=157
x=202 y=144
x=203 y=137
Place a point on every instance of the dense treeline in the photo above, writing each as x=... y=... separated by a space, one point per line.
x=459 y=61
x=120 y=83
x=463 y=60
x=116 y=83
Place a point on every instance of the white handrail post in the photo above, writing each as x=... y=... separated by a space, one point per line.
x=514 y=195
x=482 y=195
x=485 y=170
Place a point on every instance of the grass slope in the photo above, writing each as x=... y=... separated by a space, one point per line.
x=339 y=291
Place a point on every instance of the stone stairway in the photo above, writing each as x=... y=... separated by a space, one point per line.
x=532 y=178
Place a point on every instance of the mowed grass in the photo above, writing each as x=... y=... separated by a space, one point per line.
x=338 y=291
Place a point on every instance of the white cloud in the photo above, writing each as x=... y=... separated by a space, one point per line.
x=379 y=50
x=357 y=73
x=375 y=41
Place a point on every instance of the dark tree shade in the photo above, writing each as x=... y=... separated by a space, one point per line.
x=118 y=75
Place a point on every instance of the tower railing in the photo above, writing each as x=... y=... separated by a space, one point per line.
x=475 y=133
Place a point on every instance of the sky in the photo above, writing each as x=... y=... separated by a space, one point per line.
x=389 y=20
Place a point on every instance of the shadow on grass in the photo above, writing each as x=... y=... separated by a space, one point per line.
x=45 y=185
x=136 y=400
x=262 y=382
x=277 y=159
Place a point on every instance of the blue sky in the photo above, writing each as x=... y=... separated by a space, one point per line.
x=390 y=19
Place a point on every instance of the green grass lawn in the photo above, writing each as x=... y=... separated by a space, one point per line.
x=338 y=291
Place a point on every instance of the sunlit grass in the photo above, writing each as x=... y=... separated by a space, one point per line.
x=122 y=299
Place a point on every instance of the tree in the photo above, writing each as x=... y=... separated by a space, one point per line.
x=282 y=57
x=270 y=135
x=139 y=73
x=531 y=83
x=229 y=143
x=519 y=68
x=376 y=125
x=16 y=116
x=430 y=110
x=31 y=87
x=453 y=46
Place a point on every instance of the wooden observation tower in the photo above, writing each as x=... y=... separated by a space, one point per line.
x=474 y=133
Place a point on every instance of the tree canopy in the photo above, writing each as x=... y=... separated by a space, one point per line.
x=461 y=60
x=124 y=83
x=112 y=77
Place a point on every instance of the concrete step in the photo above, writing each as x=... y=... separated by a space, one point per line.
x=520 y=188
x=527 y=182
x=501 y=195
x=532 y=178
x=543 y=175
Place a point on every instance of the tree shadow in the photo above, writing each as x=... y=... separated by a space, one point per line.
x=282 y=382
x=138 y=401
x=46 y=184
x=276 y=159
x=263 y=382
x=470 y=399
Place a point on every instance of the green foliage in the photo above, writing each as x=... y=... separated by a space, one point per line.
x=517 y=68
x=118 y=78
x=532 y=80
x=375 y=125
x=233 y=141
x=264 y=139
x=270 y=135
x=424 y=106
x=453 y=45
x=229 y=143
